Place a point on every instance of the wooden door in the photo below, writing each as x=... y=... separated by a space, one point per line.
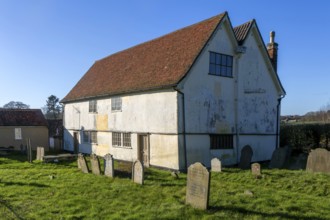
x=144 y=150
x=75 y=142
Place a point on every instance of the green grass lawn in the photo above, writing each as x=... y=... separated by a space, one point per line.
x=61 y=191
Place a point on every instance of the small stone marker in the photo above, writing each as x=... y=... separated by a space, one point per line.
x=279 y=157
x=318 y=161
x=82 y=164
x=198 y=186
x=215 y=165
x=246 y=157
x=95 y=163
x=108 y=165
x=255 y=169
x=40 y=153
x=138 y=172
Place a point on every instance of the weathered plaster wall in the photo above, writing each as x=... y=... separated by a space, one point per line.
x=153 y=113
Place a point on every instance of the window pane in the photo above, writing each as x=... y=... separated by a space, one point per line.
x=116 y=139
x=223 y=60
x=212 y=69
x=218 y=70
x=126 y=139
x=93 y=137
x=223 y=71
x=212 y=57
x=92 y=106
x=116 y=104
x=218 y=58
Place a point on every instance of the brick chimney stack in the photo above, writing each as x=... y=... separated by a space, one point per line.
x=272 y=48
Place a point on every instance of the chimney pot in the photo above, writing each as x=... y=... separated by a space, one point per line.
x=272 y=48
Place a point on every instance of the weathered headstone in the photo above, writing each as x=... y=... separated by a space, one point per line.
x=40 y=153
x=246 y=157
x=318 y=161
x=138 y=172
x=280 y=157
x=95 y=164
x=255 y=169
x=108 y=165
x=198 y=186
x=215 y=165
x=82 y=164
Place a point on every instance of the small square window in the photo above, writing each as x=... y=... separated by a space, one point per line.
x=92 y=106
x=18 y=134
x=116 y=104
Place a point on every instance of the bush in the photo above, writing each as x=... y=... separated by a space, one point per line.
x=303 y=137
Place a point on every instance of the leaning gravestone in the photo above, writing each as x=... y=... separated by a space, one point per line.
x=138 y=172
x=215 y=165
x=108 y=165
x=280 y=157
x=198 y=186
x=95 y=163
x=246 y=157
x=82 y=164
x=255 y=169
x=318 y=161
x=40 y=153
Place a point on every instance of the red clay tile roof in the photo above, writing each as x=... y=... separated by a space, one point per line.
x=241 y=31
x=22 y=117
x=158 y=63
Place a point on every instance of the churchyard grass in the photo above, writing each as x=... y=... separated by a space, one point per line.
x=61 y=191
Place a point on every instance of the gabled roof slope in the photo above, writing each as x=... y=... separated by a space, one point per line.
x=22 y=117
x=158 y=63
x=242 y=30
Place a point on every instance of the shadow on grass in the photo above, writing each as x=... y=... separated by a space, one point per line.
x=10 y=208
x=214 y=209
x=23 y=184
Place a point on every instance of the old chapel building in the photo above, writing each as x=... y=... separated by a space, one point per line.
x=203 y=91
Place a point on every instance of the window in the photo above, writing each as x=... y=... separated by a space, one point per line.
x=116 y=139
x=86 y=136
x=223 y=141
x=93 y=137
x=116 y=104
x=18 y=134
x=90 y=137
x=221 y=64
x=126 y=139
x=93 y=106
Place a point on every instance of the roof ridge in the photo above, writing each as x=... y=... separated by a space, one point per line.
x=220 y=16
x=242 y=30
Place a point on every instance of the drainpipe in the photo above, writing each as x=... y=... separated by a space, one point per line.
x=278 y=120
x=183 y=128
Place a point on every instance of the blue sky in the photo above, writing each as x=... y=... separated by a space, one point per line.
x=47 y=45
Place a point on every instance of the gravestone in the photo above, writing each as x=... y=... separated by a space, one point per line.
x=215 y=165
x=246 y=157
x=280 y=157
x=198 y=186
x=255 y=169
x=318 y=161
x=108 y=165
x=40 y=153
x=82 y=164
x=95 y=164
x=138 y=172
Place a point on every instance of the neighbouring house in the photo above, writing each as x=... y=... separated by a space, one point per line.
x=19 y=125
x=200 y=92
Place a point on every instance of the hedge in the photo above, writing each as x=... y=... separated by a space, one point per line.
x=303 y=137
